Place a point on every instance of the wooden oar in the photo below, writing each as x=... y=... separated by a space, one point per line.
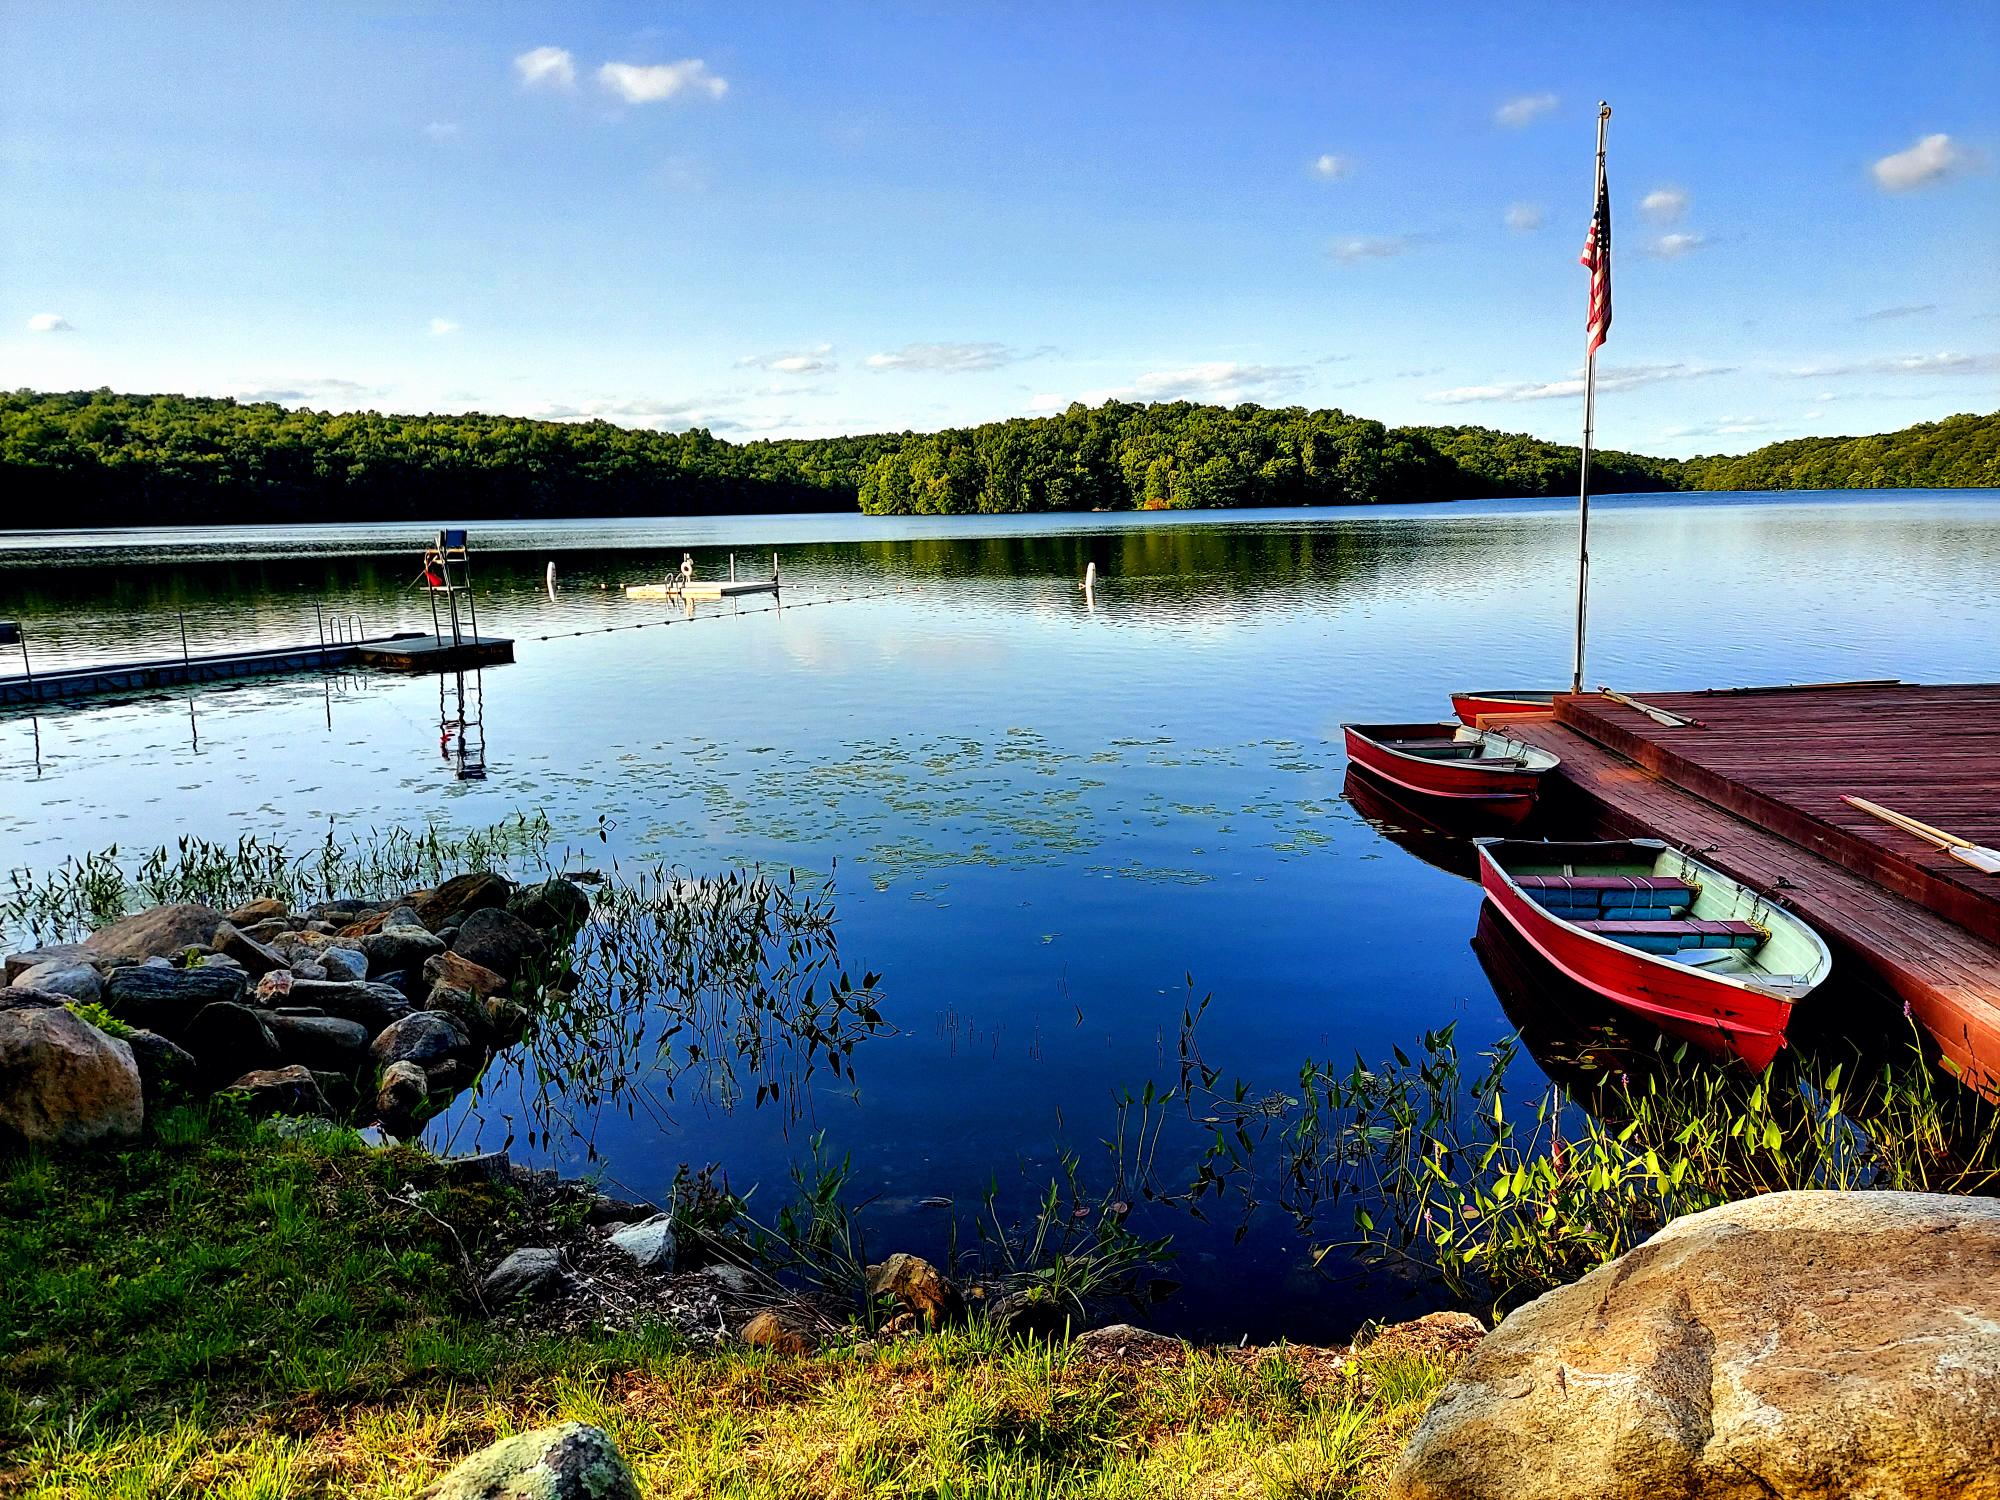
x=1664 y=716
x=1963 y=850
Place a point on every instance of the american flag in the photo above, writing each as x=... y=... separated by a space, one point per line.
x=1596 y=259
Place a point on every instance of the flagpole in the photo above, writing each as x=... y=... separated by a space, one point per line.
x=1589 y=422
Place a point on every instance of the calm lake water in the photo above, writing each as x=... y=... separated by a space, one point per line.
x=1049 y=820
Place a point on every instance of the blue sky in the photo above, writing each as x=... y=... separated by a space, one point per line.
x=814 y=218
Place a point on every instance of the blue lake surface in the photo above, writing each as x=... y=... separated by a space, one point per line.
x=1050 y=820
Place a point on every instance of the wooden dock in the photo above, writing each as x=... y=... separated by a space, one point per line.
x=696 y=590
x=407 y=651
x=1754 y=788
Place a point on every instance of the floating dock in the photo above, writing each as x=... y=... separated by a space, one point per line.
x=698 y=590
x=1754 y=787
x=404 y=651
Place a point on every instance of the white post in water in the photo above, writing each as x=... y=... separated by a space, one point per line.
x=552 y=578
x=1597 y=257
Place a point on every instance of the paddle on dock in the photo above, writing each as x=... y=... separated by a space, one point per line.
x=1963 y=850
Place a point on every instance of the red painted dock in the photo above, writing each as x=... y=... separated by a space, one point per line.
x=1757 y=783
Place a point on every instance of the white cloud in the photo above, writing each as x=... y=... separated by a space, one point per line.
x=50 y=323
x=1890 y=314
x=546 y=68
x=644 y=411
x=1524 y=110
x=1674 y=246
x=1222 y=382
x=1664 y=205
x=1611 y=379
x=1947 y=363
x=649 y=83
x=1331 y=168
x=442 y=132
x=1932 y=159
x=1722 y=427
x=1524 y=218
x=440 y=327
x=327 y=392
x=944 y=359
x=812 y=361
x=1354 y=248
x=1048 y=401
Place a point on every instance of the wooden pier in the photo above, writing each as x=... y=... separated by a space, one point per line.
x=1754 y=787
x=405 y=651
x=697 y=589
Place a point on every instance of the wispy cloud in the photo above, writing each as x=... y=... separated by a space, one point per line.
x=945 y=359
x=1721 y=427
x=1524 y=110
x=1626 y=378
x=1664 y=205
x=546 y=68
x=1891 y=314
x=649 y=83
x=50 y=323
x=1352 y=249
x=1679 y=243
x=709 y=411
x=1221 y=382
x=442 y=327
x=323 y=391
x=1946 y=363
x=1932 y=159
x=1331 y=168
x=1524 y=218
x=811 y=361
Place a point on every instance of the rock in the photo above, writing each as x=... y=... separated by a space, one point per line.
x=489 y=1167
x=158 y=933
x=245 y=950
x=220 y=961
x=307 y=968
x=771 y=1330
x=569 y=1462
x=498 y=940
x=228 y=1038
x=166 y=1072
x=431 y=1040
x=165 y=999
x=461 y=973
x=650 y=1244
x=263 y=909
x=295 y=945
x=605 y=1209
x=1032 y=1314
x=18 y=964
x=265 y=931
x=1799 y=1344
x=1122 y=1340
x=364 y=926
x=339 y=1091
x=465 y=1008
x=64 y=1083
x=405 y=982
x=918 y=1287
x=280 y=1091
x=375 y=1006
x=403 y=915
x=320 y=1041
x=524 y=1273
x=459 y=897
x=554 y=905
x=343 y=964
x=730 y=1281
x=401 y=947
x=71 y=981
x=1439 y=1334
x=18 y=997
x=401 y=1094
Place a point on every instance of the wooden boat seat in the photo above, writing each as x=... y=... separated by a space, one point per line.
x=1673 y=935
x=1604 y=883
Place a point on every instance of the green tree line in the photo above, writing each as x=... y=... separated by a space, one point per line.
x=99 y=458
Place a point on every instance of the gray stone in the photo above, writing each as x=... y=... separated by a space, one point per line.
x=569 y=1462
x=1793 y=1345
x=280 y=1091
x=401 y=947
x=452 y=902
x=71 y=981
x=558 y=904
x=166 y=1071
x=309 y=968
x=428 y=1038
x=491 y=1167
x=157 y=933
x=405 y=916
x=165 y=999
x=228 y=1038
x=401 y=1095
x=1121 y=1339
x=521 y=1274
x=375 y=1006
x=220 y=961
x=343 y=964
x=320 y=1041
x=64 y=1083
x=18 y=964
x=651 y=1244
x=245 y=950
x=499 y=940
x=730 y=1281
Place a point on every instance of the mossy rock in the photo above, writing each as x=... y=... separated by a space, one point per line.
x=572 y=1461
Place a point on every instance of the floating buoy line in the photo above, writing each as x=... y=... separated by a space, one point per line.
x=739 y=614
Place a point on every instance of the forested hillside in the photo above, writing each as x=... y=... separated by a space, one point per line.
x=97 y=458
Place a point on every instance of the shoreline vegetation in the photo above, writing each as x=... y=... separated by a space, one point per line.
x=98 y=458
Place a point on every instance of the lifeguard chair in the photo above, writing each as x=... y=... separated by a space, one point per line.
x=448 y=572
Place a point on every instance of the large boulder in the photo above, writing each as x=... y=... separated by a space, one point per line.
x=557 y=904
x=72 y=981
x=280 y=1091
x=917 y=1286
x=451 y=903
x=527 y=1272
x=461 y=973
x=165 y=999
x=496 y=939
x=166 y=1071
x=156 y=933
x=63 y=1082
x=649 y=1244
x=320 y=1041
x=434 y=1042
x=569 y=1462
x=1794 y=1345
x=404 y=947
x=227 y=1039
x=342 y=963
x=374 y=1006
x=17 y=964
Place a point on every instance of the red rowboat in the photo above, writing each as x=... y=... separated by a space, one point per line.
x=1467 y=767
x=1662 y=935
x=1472 y=707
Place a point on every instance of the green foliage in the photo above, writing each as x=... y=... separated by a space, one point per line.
x=93 y=1014
x=1961 y=451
